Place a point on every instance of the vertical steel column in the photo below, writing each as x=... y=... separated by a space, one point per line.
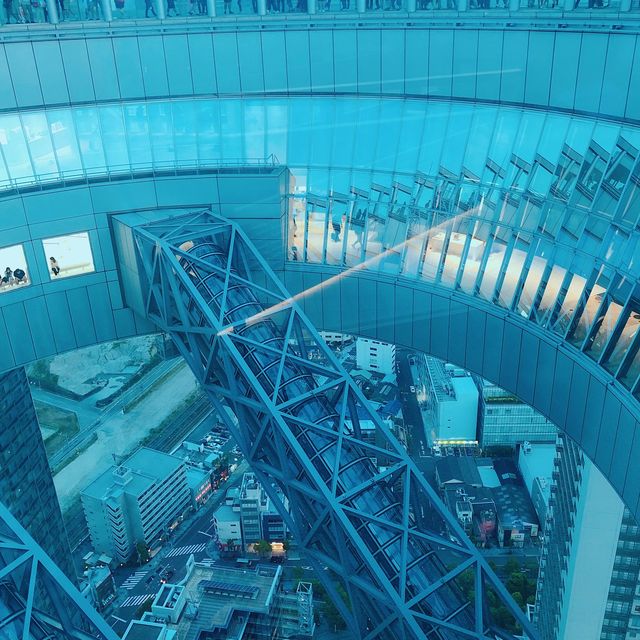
x=311 y=7
x=361 y=6
x=211 y=8
x=160 y=9
x=262 y=7
x=107 y=14
x=411 y=6
x=52 y=12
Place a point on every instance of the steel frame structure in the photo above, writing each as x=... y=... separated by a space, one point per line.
x=37 y=601
x=354 y=502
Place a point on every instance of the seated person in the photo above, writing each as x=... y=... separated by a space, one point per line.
x=20 y=276
x=7 y=278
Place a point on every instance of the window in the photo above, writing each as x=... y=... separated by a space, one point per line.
x=68 y=255
x=13 y=268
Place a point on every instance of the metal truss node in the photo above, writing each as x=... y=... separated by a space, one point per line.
x=394 y=560
x=37 y=601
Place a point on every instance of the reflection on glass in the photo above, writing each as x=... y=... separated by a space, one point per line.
x=549 y=288
x=513 y=271
x=490 y=274
x=606 y=326
x=627 y=337
x=416 y=238
x=68 y=255
x=569 y=304
x=13 y=268
x=629 y=378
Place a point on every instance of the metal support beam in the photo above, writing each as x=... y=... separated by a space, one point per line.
x=391 y=573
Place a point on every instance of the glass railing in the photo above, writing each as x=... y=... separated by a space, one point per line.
x=25 y=12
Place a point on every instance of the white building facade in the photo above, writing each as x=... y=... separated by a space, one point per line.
x=451 y=404
x=375 y=356
x=135 y=502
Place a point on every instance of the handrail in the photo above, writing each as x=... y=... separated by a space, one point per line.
x=530 y=19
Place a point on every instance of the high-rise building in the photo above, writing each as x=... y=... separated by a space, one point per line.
x=135 y=502
x=258 y=518
x=507 y=421
x=589 y=580
x=451 y=404
x=26 y=483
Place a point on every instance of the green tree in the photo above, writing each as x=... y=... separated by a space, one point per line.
x=143 y=552
x=262 y=548
x=511 y=566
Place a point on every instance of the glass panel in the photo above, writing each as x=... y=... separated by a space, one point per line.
x=630 y=376
x=590 y=310
x=65 y=142
x=68 y=255
x=135 y=117
x=494 y=263
x=296 y=230
x=185 y=134
x=605 y=330
x=339 y=240
x=451 y=265
x=513 y=271
x=355 y=247
x=435 y=244
x=627 y=336
x=13 y=268
x=316 y=227
x=115 y=137
x=471 y=267
x=569 y=304
x=161 y=134
x=209 y=143
x=14 y=148
x=550 y=295
x=36 y=131
x=416 y=234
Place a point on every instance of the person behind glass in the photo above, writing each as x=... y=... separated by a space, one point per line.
x=227 y=6
x=8 y=9
x=19 y=276
x=202 y=7
x=336 y=224
x=171 y=6
x=55 y=267
x=148 y=6
x=7 y=278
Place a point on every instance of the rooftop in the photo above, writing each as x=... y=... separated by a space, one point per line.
x=453 y=469
x=216 y=605
x=139 y=630
x=142 y=470
x=447 y=381
x=513 y=506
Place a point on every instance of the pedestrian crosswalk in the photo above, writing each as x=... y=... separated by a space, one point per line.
x=136 y=601
x=184 y=551
x=133 y=579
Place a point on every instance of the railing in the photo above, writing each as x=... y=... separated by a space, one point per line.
x=30 y=12
x=115 y=173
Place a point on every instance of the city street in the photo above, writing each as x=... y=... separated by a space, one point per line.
x=194 y=536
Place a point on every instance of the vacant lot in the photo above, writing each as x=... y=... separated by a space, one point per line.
x=63 y=423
